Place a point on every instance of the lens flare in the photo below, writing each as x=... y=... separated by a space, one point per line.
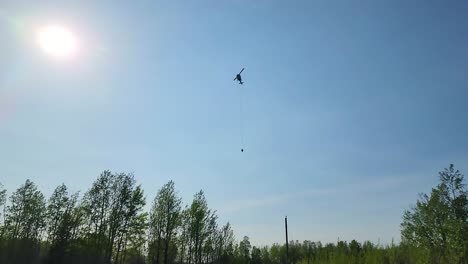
x=57 y=41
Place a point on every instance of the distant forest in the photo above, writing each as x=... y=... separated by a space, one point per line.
x=108 y=224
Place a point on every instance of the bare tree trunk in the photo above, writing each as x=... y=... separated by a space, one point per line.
x=182 y=253
x=157 y=250
x=119 y=245
x=166 y=249
x=124 y=254
x=190 y=255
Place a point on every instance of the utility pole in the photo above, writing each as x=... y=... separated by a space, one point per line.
x=287 y=245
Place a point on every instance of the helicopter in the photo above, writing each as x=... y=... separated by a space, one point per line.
x=238 y=77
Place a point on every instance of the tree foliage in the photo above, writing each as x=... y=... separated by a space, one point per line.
x=2 y=208
x=24 y=218
x=438 y=222
x=108 y=224
x=164 y=221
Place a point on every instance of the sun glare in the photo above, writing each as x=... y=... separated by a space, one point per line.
x=57 y=41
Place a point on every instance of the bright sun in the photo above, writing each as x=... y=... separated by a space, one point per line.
x=57 y=41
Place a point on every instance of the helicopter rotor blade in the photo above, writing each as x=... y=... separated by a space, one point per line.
x=241 y=71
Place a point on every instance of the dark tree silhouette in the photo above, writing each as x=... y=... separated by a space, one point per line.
x=108 y=225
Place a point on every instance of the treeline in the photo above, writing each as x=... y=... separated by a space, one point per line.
x=108 y=224
x=434 y=230
x=342 y=252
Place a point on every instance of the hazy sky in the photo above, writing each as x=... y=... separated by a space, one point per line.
x=350 y=108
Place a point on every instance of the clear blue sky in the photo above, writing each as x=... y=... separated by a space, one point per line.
x=350 y=108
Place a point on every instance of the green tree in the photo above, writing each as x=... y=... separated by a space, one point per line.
x=266 y=259
x=56 y=208
x=24 y=224
x=198 y=214
x=25 y=214
x=256 y=256
x=245 y=249
x=112 y=211
x=438 y=222
x=127 y=222
x=96 y=207
x=164 y=220
x=226 y=244
x=184 y=242
x=121 y=192
x=308 y=250
x=61 y=225
x=355 y=251
x=171 y=215
x=295 y=251
x=212 y=236
x=275 y=253
x=132 y=234
x=2 y=209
